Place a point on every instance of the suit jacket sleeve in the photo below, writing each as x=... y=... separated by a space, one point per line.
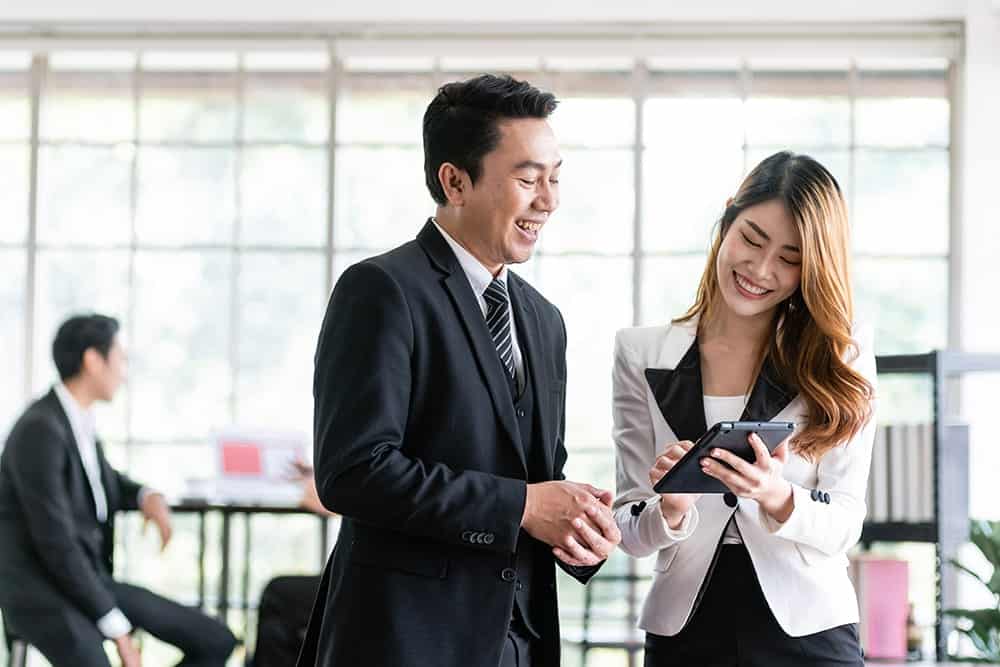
x=361 y=389
x=637 y=505
x=37 y=460
x=581 y=573
x=820 y=530
x=128 y=490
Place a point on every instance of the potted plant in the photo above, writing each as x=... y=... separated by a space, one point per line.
x=982 y=626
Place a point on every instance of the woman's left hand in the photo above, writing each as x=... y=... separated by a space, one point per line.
x=761 y=480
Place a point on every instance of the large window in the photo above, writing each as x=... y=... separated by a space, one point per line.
x=211 y=199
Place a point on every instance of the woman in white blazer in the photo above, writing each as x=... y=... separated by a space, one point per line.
x=758 y=576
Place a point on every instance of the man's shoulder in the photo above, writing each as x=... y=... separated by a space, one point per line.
x=39 y=419
x=537 y=298
x=401 y=264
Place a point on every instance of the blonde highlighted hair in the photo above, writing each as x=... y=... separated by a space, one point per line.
x=811 y=346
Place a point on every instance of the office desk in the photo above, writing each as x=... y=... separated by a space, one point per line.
x=228 y=511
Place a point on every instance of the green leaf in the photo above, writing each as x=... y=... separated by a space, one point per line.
x=986 y=536
x=969 y=572
x=982 y=627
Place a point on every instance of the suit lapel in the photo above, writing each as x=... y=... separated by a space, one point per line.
x=471 y=316
x=769 y=395
x=680 y=395
x=529 y=333
x=74 y=447
x=110 y=490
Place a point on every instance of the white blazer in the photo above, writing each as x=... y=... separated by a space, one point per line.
x=802 y=563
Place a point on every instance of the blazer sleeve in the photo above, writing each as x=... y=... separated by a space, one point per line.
x=825 y=530
x=128 y=489
x=581 y=573
x=637 y=506
x=361 y=389
x=36 y=460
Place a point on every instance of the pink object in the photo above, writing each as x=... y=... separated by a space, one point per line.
x=240 y=458
x=882 y=585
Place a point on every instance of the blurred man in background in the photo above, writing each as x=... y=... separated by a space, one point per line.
x=58 y=498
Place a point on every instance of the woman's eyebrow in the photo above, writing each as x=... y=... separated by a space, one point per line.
x=760 y=231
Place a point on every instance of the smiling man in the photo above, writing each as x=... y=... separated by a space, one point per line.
x=440 y=413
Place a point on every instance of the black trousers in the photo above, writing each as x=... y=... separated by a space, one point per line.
x=734 y=627
x=285 y=606
x=68 y=638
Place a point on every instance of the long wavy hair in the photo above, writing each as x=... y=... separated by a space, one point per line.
x=811 y=345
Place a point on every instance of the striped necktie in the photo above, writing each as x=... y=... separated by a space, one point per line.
x=498 y=321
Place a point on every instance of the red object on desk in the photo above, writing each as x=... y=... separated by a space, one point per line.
x=883 y=597
x=239 y=458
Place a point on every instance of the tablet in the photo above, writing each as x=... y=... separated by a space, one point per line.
x=687 y=477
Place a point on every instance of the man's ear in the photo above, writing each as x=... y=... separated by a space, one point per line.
x=92 y=360
x=455 y=182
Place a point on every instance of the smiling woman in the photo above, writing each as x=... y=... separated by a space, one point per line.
x=770 y=337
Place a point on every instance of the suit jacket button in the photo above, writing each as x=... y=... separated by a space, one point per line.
x=730 y=499
x=508 y=574
x=488 y=539
x=814 y=494
x=826 y=497
x=520 y=412
x=466 y=536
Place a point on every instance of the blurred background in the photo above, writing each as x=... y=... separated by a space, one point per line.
x=204 y=171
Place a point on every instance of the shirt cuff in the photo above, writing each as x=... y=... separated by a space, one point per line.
x=687 y=527
x=114 y=624
x=143 y=492
x=790 y=528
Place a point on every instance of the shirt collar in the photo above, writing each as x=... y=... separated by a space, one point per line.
x=479 y=276
x=79 y=417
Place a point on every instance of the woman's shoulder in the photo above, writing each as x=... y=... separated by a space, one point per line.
x=643 y=341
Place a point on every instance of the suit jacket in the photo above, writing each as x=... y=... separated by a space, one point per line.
x=801 y=564
x=418 y=447
x=51 y=542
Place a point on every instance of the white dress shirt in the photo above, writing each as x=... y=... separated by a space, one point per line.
x=113 y=624
x=480 y=278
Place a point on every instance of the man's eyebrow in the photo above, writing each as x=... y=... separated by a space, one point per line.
x=760 y=231
x=532 y=164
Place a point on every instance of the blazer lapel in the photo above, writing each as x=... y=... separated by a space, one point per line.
x=679 y=393
x=529 y=332
x=471 y=316
x=74 y=447
x=769 y=396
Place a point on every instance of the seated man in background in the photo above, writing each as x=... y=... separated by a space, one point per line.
x=286 y=602
x=58 y=498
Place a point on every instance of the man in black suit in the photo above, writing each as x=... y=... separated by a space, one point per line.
x=58 y=498
x=439 y=392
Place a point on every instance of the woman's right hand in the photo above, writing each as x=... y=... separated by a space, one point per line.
x=673 y=505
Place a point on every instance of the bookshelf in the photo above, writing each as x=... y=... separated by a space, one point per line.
x=948 y=528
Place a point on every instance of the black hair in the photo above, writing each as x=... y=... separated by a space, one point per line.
x=77 y=335
x=461 y=122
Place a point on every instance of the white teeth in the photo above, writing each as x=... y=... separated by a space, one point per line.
x=748 y=287
x=530 y=226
